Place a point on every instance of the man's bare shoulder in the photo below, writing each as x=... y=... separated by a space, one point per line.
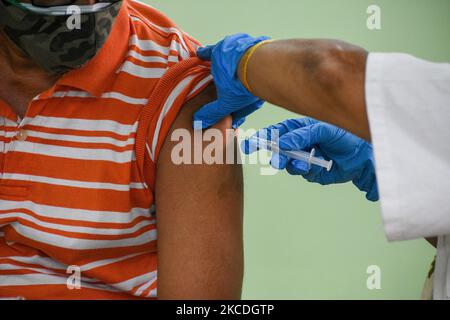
x=206 y=96
x=200 y=208
x=184 y=121
x=185 y=116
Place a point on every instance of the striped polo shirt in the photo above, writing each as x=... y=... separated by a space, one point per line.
x=72 y=196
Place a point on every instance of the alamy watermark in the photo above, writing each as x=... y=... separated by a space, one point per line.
x=219 y=147
x=74 y=20
x=374 y=17
x=74 y=280
x=374 y=280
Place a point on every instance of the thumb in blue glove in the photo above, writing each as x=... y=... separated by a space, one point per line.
x=352 y=157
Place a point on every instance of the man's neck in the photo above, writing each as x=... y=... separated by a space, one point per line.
x=14 y=60
x=21 y=78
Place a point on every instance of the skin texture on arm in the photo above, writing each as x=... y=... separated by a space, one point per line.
x=323 y=79
x=200 y=218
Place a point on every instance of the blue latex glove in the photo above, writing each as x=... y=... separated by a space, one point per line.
x=233 y=98
x=352 y=157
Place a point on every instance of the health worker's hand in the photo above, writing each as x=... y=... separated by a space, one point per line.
x=352 y=157
x=233 y=98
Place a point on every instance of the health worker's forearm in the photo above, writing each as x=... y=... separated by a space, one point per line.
x=323 y=79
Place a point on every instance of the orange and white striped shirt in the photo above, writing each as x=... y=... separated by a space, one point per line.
x=71 y=190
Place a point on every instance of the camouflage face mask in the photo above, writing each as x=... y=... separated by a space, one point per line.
x=54 y=37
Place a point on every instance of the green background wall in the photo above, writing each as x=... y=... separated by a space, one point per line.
x=304 y=241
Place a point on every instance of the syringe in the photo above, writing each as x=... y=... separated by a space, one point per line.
x=308 y=157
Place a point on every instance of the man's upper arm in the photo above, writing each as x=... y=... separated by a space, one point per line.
x=199 y=208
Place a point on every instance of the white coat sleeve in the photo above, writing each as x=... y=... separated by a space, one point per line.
x=408 y=104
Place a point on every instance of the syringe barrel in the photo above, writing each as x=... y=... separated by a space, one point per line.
x=323 y=163
x=299 y=155
x=307 y=157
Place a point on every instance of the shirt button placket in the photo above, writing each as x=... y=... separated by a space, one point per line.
x=9 y=190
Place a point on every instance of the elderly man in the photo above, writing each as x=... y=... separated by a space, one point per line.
x=79 y=180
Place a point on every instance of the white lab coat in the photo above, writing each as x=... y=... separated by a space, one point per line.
x=408 y=103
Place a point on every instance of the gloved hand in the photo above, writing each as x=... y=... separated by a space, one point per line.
x=233 y=97
x=352 y=157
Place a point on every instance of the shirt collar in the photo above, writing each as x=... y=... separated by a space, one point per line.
x=96 y=74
